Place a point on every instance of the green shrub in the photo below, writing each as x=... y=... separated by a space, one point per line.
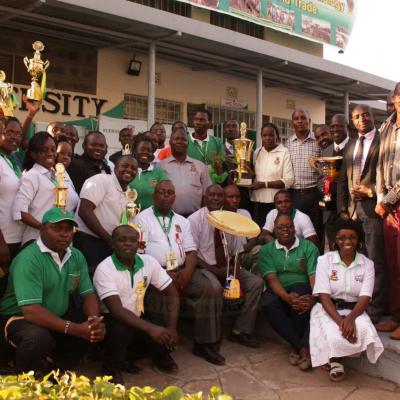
x=70 y=386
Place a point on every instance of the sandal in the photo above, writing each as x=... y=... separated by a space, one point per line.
x=294 y=358
x=337 y=374
x=304 y=363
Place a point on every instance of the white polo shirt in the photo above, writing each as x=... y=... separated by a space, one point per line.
x=203 y=235
x=105 y=192
x=36 y=195
x=9 y=183
x=302 y=224
x=180 y=236
x=333 y=277
x=114 y=279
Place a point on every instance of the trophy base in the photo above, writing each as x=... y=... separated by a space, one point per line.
x=34 y=93
x=327 y=199
x=246 y=178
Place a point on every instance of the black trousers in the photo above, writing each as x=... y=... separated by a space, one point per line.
x=123 y=342
x=293 y=327
x=94 y=249
x=260 y=211
x=35 y=344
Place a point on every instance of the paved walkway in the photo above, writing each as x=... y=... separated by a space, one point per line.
x=257 y=374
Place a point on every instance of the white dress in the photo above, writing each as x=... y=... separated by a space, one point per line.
x=346 y=283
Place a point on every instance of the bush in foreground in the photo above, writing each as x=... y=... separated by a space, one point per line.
x=71 y=386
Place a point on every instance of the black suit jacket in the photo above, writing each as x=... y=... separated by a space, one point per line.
x=368 y=178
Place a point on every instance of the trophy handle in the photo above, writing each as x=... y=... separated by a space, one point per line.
x=313 y=161
x=26 y=62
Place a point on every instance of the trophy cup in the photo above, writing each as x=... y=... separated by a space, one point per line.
x=7 y=98
x=131 y=209
x=329 y=168
x=243 y=148
x=126 y=151
x=61 y=191
x=36 y=67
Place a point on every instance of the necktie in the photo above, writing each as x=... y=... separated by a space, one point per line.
x=219 y=249
x=357 y=161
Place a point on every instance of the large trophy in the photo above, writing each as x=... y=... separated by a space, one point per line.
x=36 y=68
x=61 y=191
x=7 y=98
x=131 y=209
x=243 y=148
x=329 y=168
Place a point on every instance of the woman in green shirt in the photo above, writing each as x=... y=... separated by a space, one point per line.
x=148 y=175
x=288 y=265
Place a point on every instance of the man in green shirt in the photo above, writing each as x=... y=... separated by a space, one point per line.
x=288 y=264
x=35 y=313
x=205 y=148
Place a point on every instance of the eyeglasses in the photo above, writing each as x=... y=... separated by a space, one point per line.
x=165 y=192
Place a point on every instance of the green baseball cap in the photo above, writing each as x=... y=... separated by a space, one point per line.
x=56 y=214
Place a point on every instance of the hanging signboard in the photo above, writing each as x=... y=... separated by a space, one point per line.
x=325 y=21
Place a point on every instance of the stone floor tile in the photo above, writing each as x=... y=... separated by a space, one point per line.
x=373 y=394
x=312 y=393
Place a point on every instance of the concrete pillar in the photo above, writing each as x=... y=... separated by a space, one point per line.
x=259 y=106
x=346 y=105
x=151 y=96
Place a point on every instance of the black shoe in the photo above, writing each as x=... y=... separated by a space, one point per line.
x=116 y=374
x=208 y=352
x=244 y=339
x=164 y=362
x=130 y=367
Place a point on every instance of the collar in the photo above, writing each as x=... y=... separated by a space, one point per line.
x=370 y=135
x=116 y=183
x=309 y=136
x=277 y=148
x=172 y=159
x=158 y=214
x=43 y=170
x=198 y=140
x=44 y=249
x=337 y=260
x=138 y=265
x=281 y=246
x=341 y=144
x=229 y=146
x=150 y=168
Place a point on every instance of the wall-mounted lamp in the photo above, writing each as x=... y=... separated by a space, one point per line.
x=134 y=67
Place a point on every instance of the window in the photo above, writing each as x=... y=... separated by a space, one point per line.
x=175 y=7
x=285 y=127
x=236 y=24
x=167 y=111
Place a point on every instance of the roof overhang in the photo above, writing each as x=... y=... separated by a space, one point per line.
x=130 y=26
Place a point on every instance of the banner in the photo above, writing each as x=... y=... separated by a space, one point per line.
x=325 y=21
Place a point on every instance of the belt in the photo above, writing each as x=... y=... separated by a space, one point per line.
x=305 y=190
x=343 y=305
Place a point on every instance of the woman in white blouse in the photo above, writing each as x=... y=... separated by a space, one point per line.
x=273 y=169
x=36 y=194
x=10 y=175
x=344 y=283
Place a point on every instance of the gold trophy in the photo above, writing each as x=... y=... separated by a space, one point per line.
x=329 y=168
x=36 y=68
x=61 y=190
x=131 y=209
x=7 y=98
x=243 y=148
x=126 y=151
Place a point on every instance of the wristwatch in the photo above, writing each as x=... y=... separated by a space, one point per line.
x=370 y=193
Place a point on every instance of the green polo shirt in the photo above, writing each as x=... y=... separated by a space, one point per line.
x=204 y=153
x=291 y=266
x=35 y=278
x=145 y=182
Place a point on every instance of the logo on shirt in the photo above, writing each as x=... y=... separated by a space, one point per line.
x=334 y=276
x=359 y=277
x=153 y=182
x=193 y=168
x=302 y=264
x=178 y=228
x=277 y=161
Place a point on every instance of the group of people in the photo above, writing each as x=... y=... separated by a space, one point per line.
x=82 y=274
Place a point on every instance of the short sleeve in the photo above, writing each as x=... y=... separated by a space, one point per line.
x=312 y=254
x=269 y=221
x=28 y=285
x=306 y=226
x=204 y=177
x=25 y=195
x=85 y=286
x=188 y=241
x=104 y=282
x=266 y=260
x=159 y=277
x=94 y=189
x=195 y=228
x=367 y=286
x=322 y=284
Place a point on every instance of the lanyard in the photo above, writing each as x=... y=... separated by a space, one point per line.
x=200 y=149
x=10 y=160
x=165 y=229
